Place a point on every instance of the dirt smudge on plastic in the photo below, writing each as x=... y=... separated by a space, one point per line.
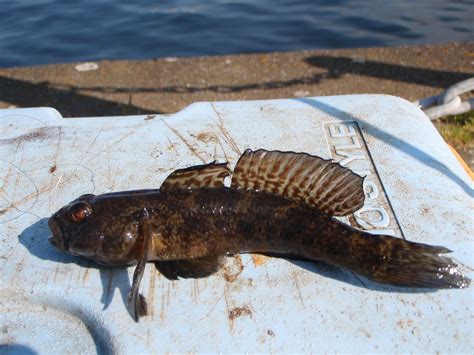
x=233 y=269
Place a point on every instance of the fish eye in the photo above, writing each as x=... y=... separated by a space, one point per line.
x=80 y=211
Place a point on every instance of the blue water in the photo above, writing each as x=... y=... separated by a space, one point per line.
x=51 y=31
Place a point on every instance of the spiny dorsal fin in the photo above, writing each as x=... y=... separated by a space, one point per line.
x=321 y=183
x=209 y=175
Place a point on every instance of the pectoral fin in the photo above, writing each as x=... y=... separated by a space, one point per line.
x=209 y=175
x=324 y=184
x=136 y=301
x=193 y=268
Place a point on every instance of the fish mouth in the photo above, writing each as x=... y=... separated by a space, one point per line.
x=56 y=237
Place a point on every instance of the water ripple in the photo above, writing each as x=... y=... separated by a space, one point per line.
x=52 y=31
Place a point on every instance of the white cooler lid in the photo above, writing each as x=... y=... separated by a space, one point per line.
x=53 y=302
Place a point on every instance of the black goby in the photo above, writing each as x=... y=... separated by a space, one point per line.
x=278 y=202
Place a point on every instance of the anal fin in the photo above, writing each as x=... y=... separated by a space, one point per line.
x=192 y=268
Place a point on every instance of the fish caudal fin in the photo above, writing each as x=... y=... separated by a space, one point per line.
x=420 y=266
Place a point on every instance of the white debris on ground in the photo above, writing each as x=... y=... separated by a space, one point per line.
x=88 y=66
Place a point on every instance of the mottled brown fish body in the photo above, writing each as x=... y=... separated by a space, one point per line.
x=195 y=224
x=278 y=202
x=189 y=224
x=192 y=224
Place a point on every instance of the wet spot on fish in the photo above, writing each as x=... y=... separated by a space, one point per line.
x=52 y=169
x=233 y=268
x=259 y=260
x=238 y=312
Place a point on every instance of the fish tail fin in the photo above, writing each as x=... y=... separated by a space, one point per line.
x=409 y=264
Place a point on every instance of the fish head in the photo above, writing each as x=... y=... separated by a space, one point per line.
x=96 y=229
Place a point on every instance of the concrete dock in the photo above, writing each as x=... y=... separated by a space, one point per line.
x=167 y=85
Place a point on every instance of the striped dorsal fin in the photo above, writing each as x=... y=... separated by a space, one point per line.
x=198 y=176
x=320 y=183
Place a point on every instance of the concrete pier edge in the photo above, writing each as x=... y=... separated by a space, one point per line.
x=167 y=85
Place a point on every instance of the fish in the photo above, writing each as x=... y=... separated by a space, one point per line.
x=277 y=203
